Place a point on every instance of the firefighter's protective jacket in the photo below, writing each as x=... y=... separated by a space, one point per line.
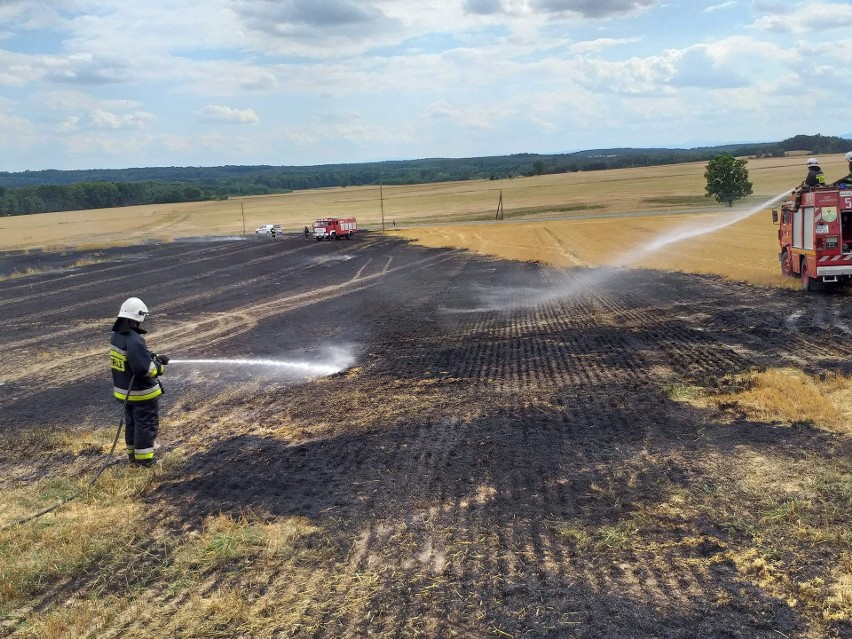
x=131 y=359
x=815 y=176
x=845 y=180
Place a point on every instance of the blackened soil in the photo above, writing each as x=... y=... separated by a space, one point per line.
x=491 y=415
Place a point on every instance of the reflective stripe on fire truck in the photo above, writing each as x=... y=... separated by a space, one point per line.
x=831 y=265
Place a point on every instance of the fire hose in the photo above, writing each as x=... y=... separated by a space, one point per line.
x=91 y=482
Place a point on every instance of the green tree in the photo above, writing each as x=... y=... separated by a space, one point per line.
x=727 y=179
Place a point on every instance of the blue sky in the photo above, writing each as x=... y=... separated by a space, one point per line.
x=108 y=84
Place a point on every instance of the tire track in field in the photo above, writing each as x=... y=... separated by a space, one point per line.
x=192 y=335
x=221 y=250
x=185 y=300
x=190 y=301
x=137 y=277
x=553 y=239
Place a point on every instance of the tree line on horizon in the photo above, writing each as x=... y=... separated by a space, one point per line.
x=55 y=190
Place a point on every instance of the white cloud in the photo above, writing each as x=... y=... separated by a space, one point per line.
x=807 y=18
x=584 y=8
x=309 y=24
x=218 y=113
x=497 y=7
x=696 y=67
x=85 y=68
x=720 y=7
x=346 y=126
x=593 y=8
x=106 y=145
x=15 y=131
x=600 y=44
x=68 y=124
x=469 y=117
x=101 y=119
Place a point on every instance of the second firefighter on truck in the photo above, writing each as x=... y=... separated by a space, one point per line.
x=814 y=178
x=135 y=373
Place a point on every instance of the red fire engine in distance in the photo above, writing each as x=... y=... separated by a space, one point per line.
x=334 y=228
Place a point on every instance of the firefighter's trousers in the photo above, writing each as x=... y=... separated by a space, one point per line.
x=141 y=423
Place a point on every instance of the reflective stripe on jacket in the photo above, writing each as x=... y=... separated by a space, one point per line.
x=131 y=359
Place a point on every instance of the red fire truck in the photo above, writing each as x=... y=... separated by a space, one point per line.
x=815 y=237
x=333 y=228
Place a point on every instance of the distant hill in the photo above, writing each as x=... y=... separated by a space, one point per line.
x=55 y=190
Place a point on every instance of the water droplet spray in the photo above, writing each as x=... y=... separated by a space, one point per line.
x=509 y=298
x=331 y=363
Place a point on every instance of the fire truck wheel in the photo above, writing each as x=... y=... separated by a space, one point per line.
x=808 y=283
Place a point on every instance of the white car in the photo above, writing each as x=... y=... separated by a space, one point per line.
x=267 y=229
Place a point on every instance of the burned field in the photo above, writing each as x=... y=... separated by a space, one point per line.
x=504 y=452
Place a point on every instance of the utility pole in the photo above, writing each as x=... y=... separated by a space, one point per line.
x=382 y=201
x=242 y=210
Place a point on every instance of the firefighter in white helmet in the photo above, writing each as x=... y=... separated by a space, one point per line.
x=135 y=373
x=815 y=177
x=848 y=179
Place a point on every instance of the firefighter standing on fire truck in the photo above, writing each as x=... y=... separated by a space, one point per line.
x=815 y=177
x=134 y=374
x=848 y=179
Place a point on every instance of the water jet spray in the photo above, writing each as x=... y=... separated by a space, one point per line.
x=509 y=298
x=687 y=231
x=306 y=368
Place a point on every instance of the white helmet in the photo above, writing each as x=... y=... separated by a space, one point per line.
x=849 y=156
x=813 y=162
x=133 y=309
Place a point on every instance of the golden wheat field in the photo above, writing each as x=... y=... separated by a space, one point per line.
x=587 y=218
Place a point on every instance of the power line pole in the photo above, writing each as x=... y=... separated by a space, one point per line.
x=242 y=210
x=382 y=201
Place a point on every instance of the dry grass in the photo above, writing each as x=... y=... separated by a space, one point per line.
x=777 y=396
x=745 y=251
x=225 y=539
x=31 y=443
x=84 y=261
x=779 y=503
x=86 y=534
x=824 y=401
